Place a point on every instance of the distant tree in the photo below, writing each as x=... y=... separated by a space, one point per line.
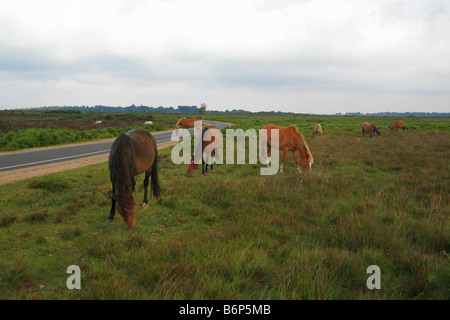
x=202 y=109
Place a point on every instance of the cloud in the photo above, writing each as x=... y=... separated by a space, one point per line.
x=168 y=52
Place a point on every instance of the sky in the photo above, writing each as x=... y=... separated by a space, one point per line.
x=302 y=56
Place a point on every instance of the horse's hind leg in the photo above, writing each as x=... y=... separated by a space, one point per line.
x=203 y=167
x=146 y=183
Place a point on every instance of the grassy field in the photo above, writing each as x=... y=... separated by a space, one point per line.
x=234 y=234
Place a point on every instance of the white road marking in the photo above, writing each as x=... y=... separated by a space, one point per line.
x=55 y=159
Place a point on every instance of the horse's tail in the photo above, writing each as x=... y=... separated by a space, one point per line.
x=155 y=186
x=376 y=129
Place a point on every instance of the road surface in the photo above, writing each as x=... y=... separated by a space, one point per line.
x=26 y=159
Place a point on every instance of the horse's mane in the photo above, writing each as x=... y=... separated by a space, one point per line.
x=305 y=145
x=119 y=170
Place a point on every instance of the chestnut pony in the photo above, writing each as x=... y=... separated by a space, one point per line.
x=185 y=123
x=318 y=129
x=399 y=125
x=131 y=154
x=192 y=165
x=290 y=139
x=370 y=128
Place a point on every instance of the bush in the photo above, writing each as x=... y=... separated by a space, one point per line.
x=50 y=183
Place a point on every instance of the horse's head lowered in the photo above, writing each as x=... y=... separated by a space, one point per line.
x=125 y=206
x=307 y=162
x=192 y=165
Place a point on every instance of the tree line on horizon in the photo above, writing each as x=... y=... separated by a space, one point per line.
x=195 y=110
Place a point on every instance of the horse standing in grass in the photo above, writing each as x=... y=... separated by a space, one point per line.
x=398 y=125
x=213 y=142
x=185 y=123
x=290 y=139
x=318 y=129
x=371 y=129
x=131 y=154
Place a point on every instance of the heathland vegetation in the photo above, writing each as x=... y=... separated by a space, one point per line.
x=28 y=129
x=234 y=234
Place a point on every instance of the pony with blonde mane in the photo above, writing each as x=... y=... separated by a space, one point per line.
x=398 y=125
x=185 y=123
x=289 y=139
x=318 y=129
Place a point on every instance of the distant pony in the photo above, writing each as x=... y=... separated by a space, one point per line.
x=185 y=123
x=290 y=139
x=131 y=154
x=398 y=125
x=318 y=129
x=371 y=129
x=192 y=165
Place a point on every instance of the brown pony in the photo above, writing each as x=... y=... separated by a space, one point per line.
x=185 y=123
x=399 y=125
x=131 y=154
x=318 y=129
x=192 y=165
x=371 y=129
x=290 y=139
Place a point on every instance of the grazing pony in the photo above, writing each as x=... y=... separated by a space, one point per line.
x=290 y=139
x=318 y=129
x=192 y=165
x=185 y=123
x=399 y=125
x=371 y=129
x=131 y=154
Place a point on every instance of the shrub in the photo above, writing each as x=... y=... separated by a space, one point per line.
x=50 y=183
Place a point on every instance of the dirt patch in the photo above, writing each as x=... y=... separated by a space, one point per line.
x=22 y=174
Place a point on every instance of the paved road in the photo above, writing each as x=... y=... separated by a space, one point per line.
x=24 y=159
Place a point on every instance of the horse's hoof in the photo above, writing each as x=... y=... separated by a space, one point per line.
x=110 y=220
x=144 y=206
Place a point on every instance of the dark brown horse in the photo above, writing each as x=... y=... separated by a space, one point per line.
x=213 y=142
x=370 y=128
x=398 y=125
x=290 y=139
x=131 y=154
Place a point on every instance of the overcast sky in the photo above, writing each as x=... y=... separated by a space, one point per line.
x=305 y=56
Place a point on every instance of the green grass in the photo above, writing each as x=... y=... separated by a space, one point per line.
x=234 y=234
